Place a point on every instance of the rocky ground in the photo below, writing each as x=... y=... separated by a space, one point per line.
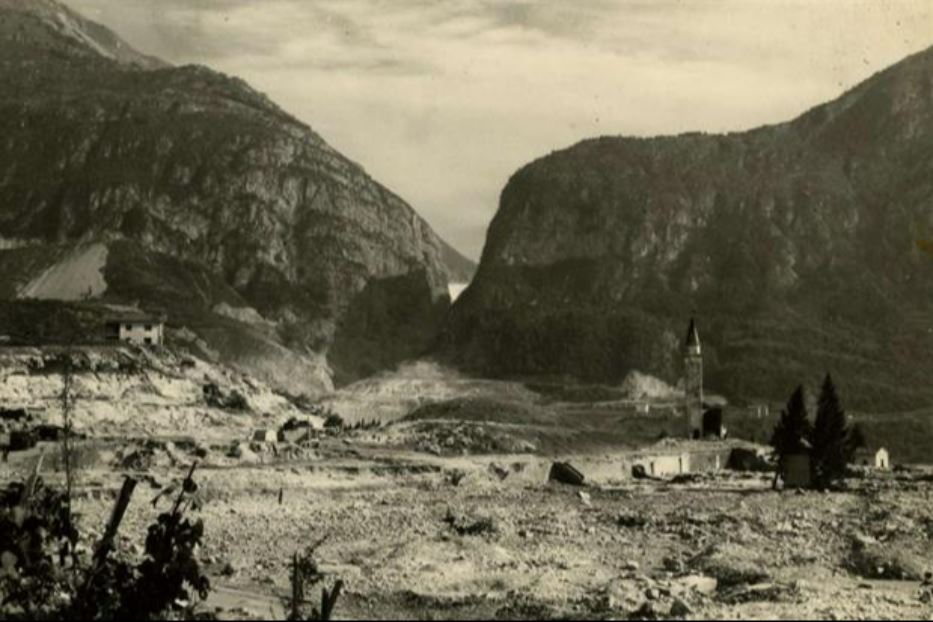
x=420 y=536
x=454 y=517
x=125 y=391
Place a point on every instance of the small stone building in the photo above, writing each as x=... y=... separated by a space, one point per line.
x=796 y=470
x=876 y=458
x=140 y=330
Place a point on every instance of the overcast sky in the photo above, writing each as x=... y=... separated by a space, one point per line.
x=443 y=100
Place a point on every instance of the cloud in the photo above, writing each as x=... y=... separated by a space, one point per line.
x=442 y=100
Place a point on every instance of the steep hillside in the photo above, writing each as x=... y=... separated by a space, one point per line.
x=127 y=392
x=204 y=200
x=47 y=26
x=795 y=245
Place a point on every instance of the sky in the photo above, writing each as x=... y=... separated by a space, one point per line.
x=442 y=100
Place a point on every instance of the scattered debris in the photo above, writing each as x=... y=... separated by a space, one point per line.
x=694 y=583
x=498 y=471
x=772 y=592
x=731 y=564
x=680 y=609
x=465 y=525
x=297 y=430
x=243 y=452
x=872 y=559
x=633 y=519
x=214 y=397
x=264 y=435
x=450 y=438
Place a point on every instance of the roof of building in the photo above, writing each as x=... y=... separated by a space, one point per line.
x=868 y=451
x=136 y=319
x=693 y=337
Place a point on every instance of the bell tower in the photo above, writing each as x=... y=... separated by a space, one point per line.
x=693 y=383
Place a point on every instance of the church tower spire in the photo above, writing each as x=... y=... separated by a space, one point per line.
x=693 y=382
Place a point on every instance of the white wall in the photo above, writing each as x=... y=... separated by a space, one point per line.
x=137 y=333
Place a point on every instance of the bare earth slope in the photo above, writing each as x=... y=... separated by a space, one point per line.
x=203 y=192
x=796 y=245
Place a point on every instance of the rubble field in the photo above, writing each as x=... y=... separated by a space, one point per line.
x=447 y=512
x=417 y=535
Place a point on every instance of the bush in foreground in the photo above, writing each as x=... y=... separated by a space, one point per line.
x=45 y=575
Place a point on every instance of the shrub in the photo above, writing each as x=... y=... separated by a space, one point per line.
x=45 y=575
x=170 y=567
x=37 y=546
x=306 y=574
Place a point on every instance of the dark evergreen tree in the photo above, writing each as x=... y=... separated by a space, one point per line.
x=830 y=436
x=793 y=428
x=792 y=432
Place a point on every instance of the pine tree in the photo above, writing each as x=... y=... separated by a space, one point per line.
x=792 y=430
x=830 y=436
x=793 y=427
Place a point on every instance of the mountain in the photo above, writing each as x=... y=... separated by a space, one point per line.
x=47 y=26
x=180 y=190
x=796 y=246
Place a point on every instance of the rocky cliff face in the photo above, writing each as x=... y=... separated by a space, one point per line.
x=795 y=245
x=207 y=197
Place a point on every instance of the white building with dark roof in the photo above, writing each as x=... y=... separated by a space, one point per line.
x=139 y=330
x=874 y=457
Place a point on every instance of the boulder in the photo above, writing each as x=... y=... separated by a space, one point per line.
x=680 y=609
x=22 y=439
x=241 y=451
x=731 y=564
x=694 y=583
x=565 y=473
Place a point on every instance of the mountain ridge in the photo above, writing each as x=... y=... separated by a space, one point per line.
x=89 y=35
x=196 y=182
x=807 y=227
